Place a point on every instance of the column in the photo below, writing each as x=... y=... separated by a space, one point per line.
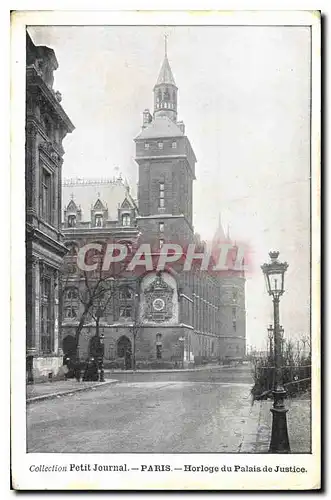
x=56 y=312
x=37 y=312
x=32 y=269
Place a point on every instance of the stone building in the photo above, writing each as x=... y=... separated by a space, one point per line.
x=46 y=126
x=176 y=316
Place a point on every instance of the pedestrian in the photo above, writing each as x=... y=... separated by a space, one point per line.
x=91 y=371
x=128 y=359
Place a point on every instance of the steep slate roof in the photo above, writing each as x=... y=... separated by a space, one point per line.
x=86 y=192
x=165 y=75
x=160 y=127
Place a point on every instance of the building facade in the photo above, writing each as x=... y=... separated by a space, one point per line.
x=46 y=126
x=175 y=316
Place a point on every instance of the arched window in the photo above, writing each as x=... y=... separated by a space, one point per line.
x=126 y=220
x=123 y=346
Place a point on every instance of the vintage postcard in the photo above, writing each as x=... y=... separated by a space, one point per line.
x=165 y=278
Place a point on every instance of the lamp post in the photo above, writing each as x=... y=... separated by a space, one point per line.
x=282 y=341
x=270 y=336
x=274 y=272
x=135 y=329
x=99 y=345
x=182 y=340
x=101 y=356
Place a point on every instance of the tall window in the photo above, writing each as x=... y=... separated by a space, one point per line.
x=46 y=338
x=46 y=195
x=158 y=346
x=161 y=227
x=174 y=145
x=98 y=220
x=161 y=243
x=125 y=312
x=71 y=303
x=160 y=145
x=234 y=318
x=161 y=195
x=72 y=221
x=70 y=312
x=158 y=351
x=126 y=220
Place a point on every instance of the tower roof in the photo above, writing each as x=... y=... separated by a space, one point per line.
x=165 y=75
x=160 y=127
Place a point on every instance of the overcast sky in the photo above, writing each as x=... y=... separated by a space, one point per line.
x=244 y=95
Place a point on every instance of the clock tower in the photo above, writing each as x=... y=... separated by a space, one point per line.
x=166 y=163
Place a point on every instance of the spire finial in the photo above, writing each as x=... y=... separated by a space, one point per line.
x=165 y=44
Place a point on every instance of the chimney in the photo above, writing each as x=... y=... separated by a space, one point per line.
x=147 y=118
x=181 y=126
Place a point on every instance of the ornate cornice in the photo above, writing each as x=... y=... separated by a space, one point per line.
x=34 y=78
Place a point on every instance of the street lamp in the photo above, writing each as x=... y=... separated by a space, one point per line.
x=282 y=339
x=274 y=272
x=182 y=340
x=135 y=328
x=270 y=336
x=101 y=356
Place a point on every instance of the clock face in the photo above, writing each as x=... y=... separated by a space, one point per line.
x=158 y=304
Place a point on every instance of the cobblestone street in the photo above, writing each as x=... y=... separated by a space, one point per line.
x=204 y=411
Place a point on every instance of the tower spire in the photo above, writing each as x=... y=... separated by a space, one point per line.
x=165 y=90
x=165 y=45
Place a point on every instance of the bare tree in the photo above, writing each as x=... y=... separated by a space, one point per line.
x=98 y=291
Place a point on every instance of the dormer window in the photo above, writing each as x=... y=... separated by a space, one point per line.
x=98 y=222
x=72 y=220
x=160 y=145
x=126 y=220
x=146 y=145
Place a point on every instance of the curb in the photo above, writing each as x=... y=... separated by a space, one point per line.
x=175 y=370
x=257 y=434
x=251 y=432
x=53 y=395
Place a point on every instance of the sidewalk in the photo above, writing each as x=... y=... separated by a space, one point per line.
x=258 y=428
x=49 y=390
